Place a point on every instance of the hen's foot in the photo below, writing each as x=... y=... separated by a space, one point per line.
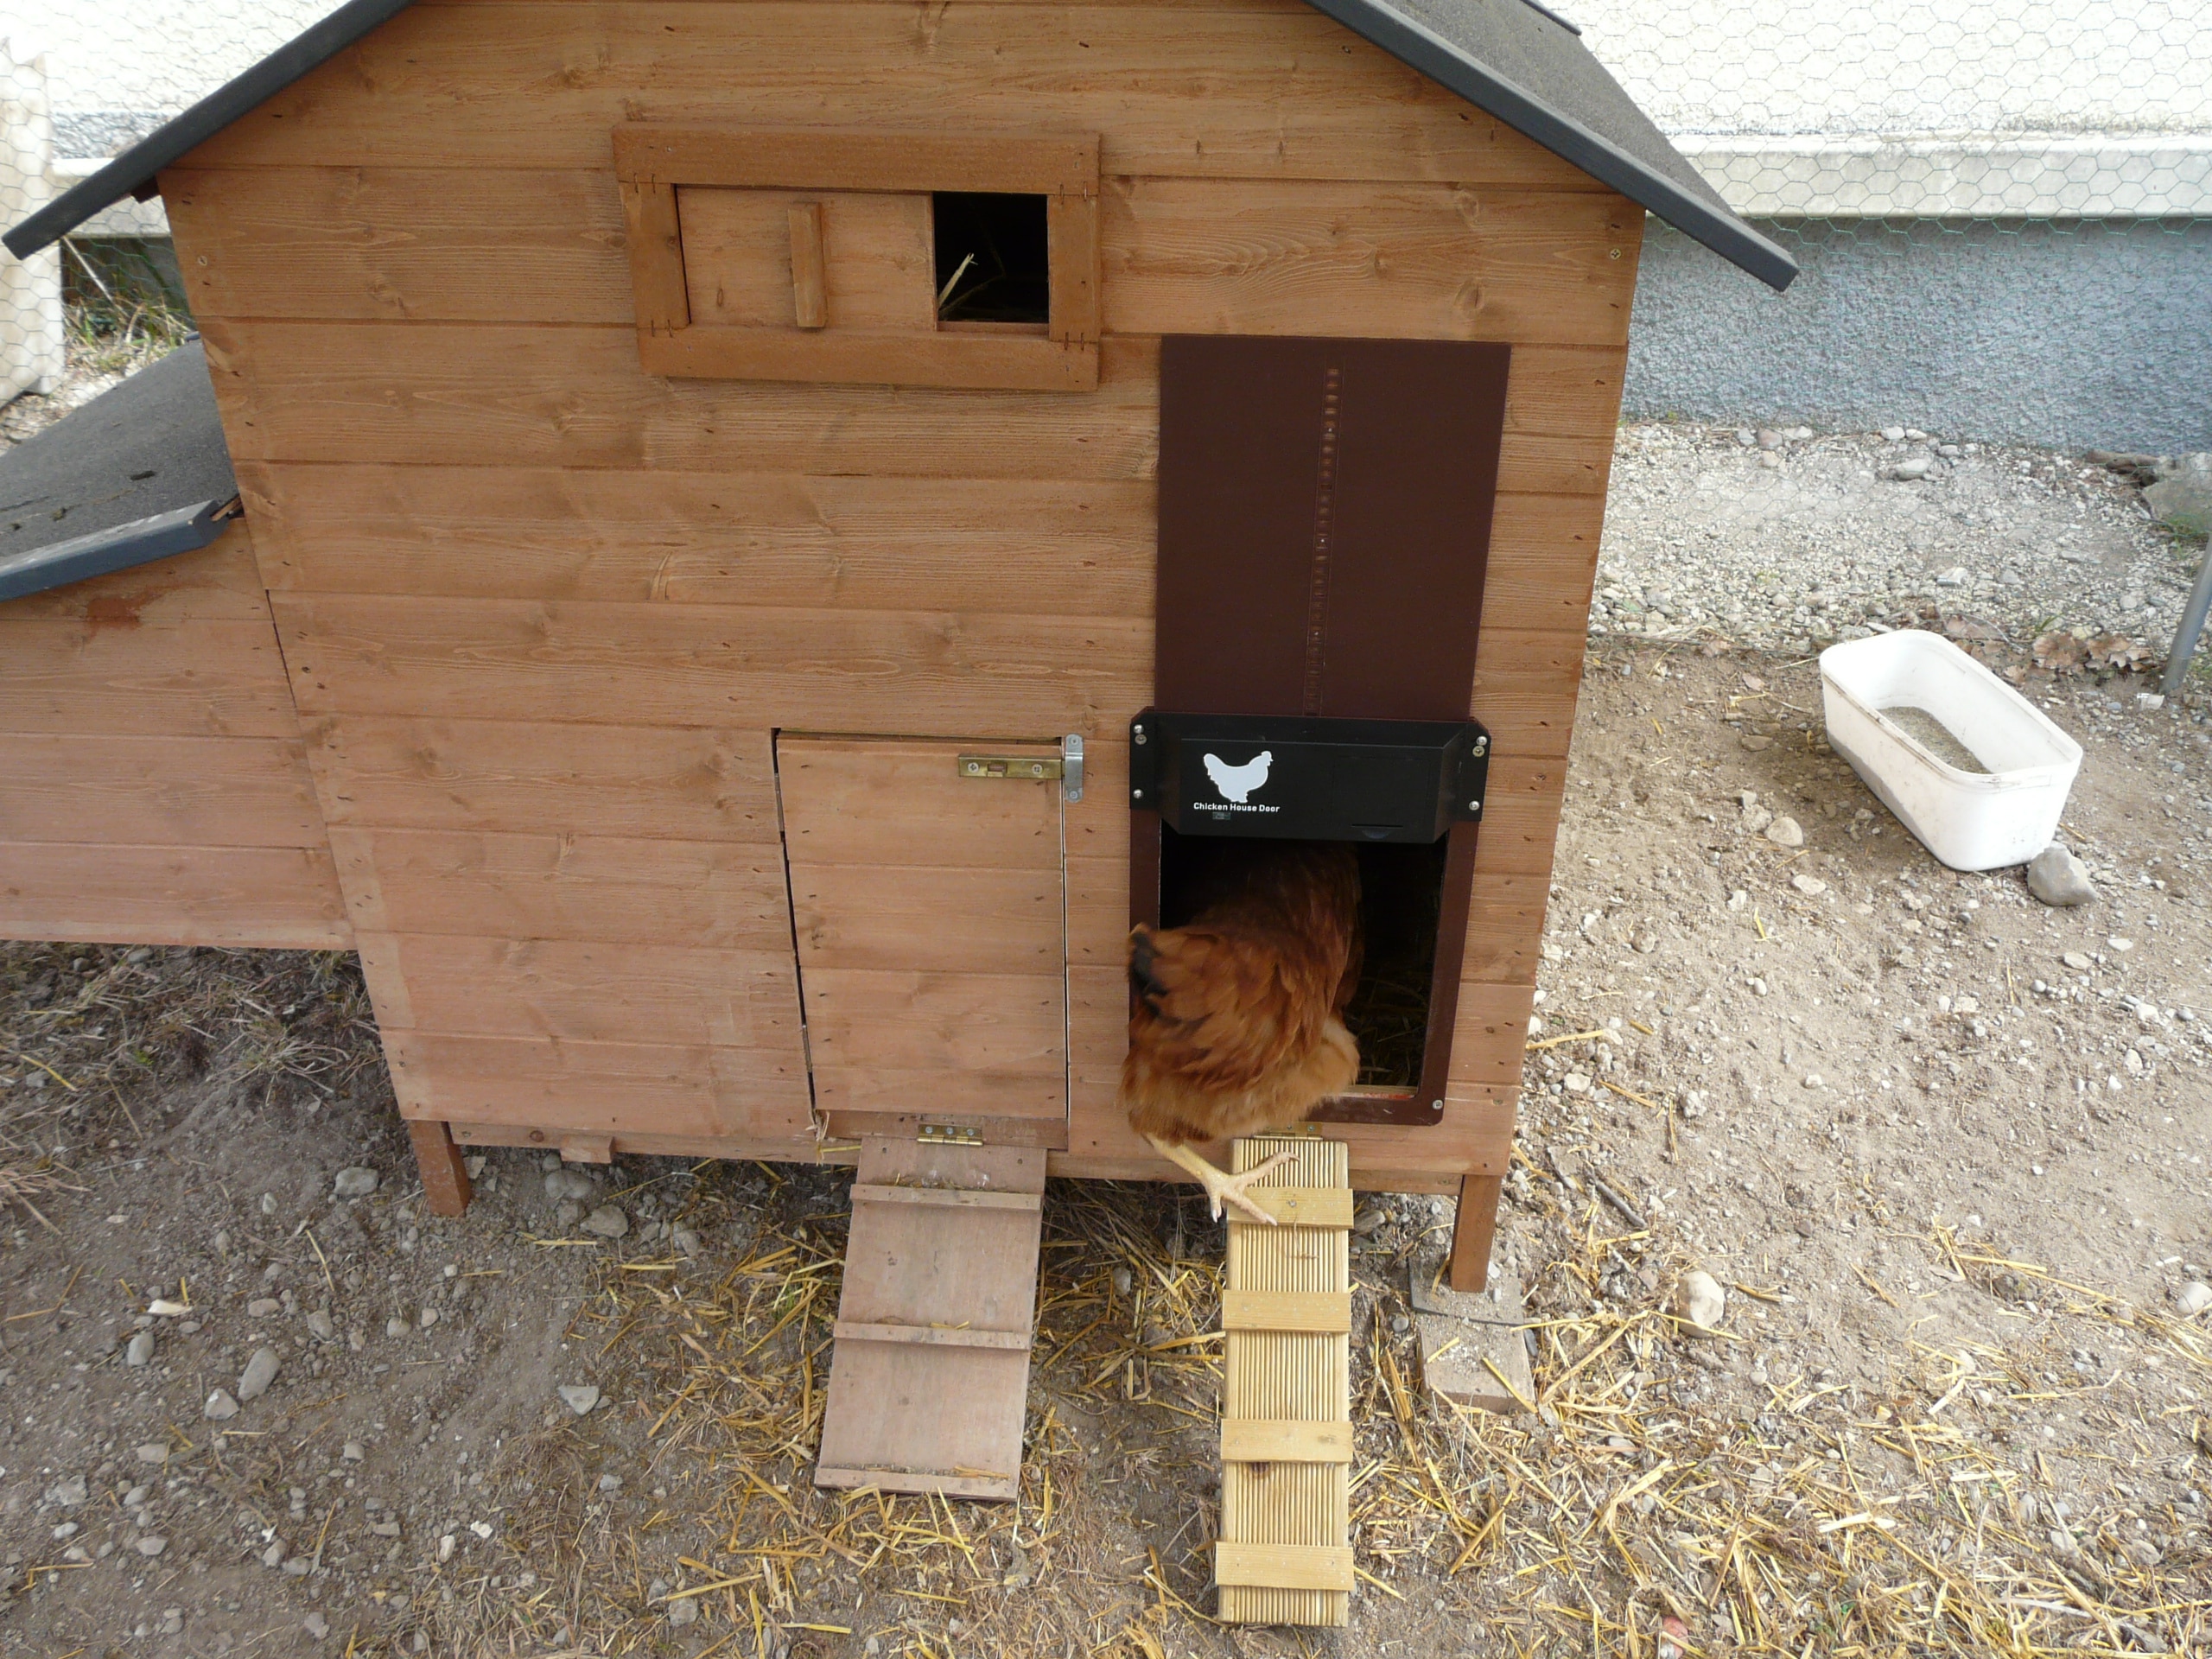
x=1221 y=1187
x=1230 y=1189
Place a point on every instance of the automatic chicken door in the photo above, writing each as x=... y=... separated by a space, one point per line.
x=1324 y=523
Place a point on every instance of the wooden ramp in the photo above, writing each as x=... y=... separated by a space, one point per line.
x=930 y=1374
x=1284 y=1556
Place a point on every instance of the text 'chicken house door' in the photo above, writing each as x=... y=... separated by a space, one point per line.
x=929 y=902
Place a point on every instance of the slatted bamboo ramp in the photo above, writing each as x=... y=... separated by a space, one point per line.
x=930 y=1372
x=1284 y=1556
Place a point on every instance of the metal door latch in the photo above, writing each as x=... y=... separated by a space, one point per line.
x=1066 y=767
x=1020 y=768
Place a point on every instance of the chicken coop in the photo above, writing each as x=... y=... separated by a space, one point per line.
x=731 y=551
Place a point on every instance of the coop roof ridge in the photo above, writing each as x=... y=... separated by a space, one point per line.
x=1519 y=60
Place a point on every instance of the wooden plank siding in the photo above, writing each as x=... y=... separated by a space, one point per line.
x=153 y=787
x=542 y=611
x=1236 y=92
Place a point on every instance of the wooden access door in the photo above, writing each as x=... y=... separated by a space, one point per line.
x=929 y=899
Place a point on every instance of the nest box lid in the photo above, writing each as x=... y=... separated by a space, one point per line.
x=1515 y=58
x=139 y=473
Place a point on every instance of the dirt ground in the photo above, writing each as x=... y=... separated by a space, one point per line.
x=1942 y=1148
x=1950 y=1183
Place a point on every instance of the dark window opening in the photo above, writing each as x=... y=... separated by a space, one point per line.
x=991 y=260
x=1402 y=893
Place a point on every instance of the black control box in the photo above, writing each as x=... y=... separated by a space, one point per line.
x=1307 y=779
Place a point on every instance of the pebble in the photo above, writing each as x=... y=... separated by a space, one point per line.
x=428 y=1318
x=1753 y=742
x=221 y=1407
x=1577 y=1083
x=260 y=1371
x=684 y=1612
x=610 y=1483
x=320 y=1325
x=356 y=1181
x=262 y=1306
x=152 y=1543
x=579 y=1397
x=152 y=1451
x=2058 y=878
x=1785 y=832
x=2075 y=960
x=1814 y=1080
x=1702 y=1301
x=1756 y=818
x=316 y=1626
x=1124 y=1282
x=395 y=1326
x=69 y=1493
x=2121 y=945
x=566 y=1184
x=1368 y=1220
x=685 y=1240
x=1893 y=434
x=2193 y=1298
x=139 y=1350
x=606 y=1222
x=1914 y=467
x=1811 y=886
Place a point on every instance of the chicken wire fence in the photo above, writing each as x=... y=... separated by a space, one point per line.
x=1882 y=122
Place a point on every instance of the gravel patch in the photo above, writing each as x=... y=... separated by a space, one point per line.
x=1791 y=540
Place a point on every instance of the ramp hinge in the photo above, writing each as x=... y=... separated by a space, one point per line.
x=948 y=1135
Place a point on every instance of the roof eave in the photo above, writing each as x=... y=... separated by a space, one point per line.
x=1423 y=49
x=118 y=548
x=135 y=170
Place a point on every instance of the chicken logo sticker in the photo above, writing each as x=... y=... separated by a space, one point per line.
x=1237 y=783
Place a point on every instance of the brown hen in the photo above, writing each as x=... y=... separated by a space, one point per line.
x=1237 y=1023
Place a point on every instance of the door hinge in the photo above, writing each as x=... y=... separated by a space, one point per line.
x=948 y=1135
x=1071 y=767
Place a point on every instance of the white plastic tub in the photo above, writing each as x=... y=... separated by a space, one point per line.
x=1970 y=820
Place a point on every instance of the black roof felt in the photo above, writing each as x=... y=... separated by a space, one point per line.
x=1512 y=58
x=138 y=474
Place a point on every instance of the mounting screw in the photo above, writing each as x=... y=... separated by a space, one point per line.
x=1137 y=794
x=1481 y=743
x=1474 y=806
x=1137 y=736
x=1435 y=1105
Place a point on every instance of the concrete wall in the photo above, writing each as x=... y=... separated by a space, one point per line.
x=2080 y=337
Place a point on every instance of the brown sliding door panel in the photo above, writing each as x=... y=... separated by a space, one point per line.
x=1325 y=520
x=1325 y=513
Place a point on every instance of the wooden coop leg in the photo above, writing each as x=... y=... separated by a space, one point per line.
x=1473 y=1231
x=445 y=1177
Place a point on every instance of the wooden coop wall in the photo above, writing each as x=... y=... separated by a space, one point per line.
x=154 y=789
x=543 y=611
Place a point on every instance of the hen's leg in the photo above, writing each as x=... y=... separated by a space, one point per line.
x=1221 y=1187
